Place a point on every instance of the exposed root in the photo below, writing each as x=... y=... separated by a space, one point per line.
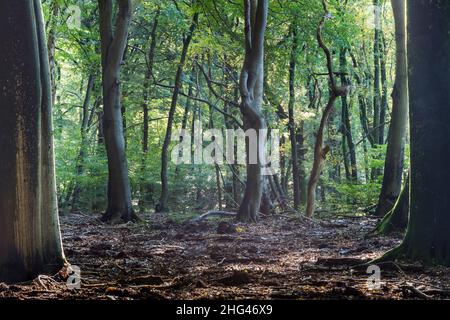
x=215 y=214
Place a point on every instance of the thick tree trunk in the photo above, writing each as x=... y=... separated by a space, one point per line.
x=396 y=219
x=162 y=206
x=113 y=46
x=393 y=167
x=252 y=89
x=291 y=124
x=427 y=237
x=30 y=240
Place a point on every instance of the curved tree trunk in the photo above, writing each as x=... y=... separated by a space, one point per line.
x=427 y=237
x=113 y=48
x=393 y=167
x=30 y=240
x=321 y=151
x=252 y=88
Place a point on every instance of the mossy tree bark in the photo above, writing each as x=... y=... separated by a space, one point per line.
x=30 y=240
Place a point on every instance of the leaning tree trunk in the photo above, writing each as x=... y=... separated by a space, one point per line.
x=162 y=206
x=113 y=48
x=393 y=167
x=251 y=87
x=30 y=240
x=427 y=237
x=321 y=151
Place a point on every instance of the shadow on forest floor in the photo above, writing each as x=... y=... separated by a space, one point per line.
x=282 y=257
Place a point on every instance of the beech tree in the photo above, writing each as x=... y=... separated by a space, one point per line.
x=113 y=43
x=429 y=101
x=251 y=86
x=393 y=167
x=30 y=240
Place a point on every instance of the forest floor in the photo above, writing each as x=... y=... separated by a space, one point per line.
x=282 y=257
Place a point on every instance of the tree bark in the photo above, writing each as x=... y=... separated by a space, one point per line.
x=113 y=47
x=393 y=167
x=143 y=186
x=428 y=49
x=84 y=142
x=347 y=135
x=251 y=87
x=30 y=240
x=291 y=123
x=162 y=206
x=321 y=151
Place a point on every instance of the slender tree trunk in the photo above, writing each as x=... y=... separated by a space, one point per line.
x=393 y=167
x=162 y=206
x=84 y=143
x=384 y=89
x=291 y=124
x=427 y=237
x=143 y=186
x=51 y=45
x=252 y=89
x=376 y=74
x=346 y=125
x=321 y=151
x=113 y=48
x=30 y=240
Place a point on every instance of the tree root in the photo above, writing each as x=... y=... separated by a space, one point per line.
x=215 y=214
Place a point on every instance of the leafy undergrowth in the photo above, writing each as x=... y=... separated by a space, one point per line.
x=282 y=257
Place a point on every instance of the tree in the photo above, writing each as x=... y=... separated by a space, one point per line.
x=251 y=87
x=113 y=47
x=30 y=240
x=321 y=151
x=429 y=101
x=162 y=206
x=393 y=167
x=291 y=124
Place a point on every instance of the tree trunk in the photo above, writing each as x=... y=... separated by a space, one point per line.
x=113 y=46
x=251 y=87
x=384 y=89
x=321 y=151
x=148 y=76
x=291 y=124
x=347 y=135
x=30 y=240
x=84 y=143
x=51 y=45
x=162 y=206
x=376 y=77
x=397 y=218
x=427 y=237
x=393 y=167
